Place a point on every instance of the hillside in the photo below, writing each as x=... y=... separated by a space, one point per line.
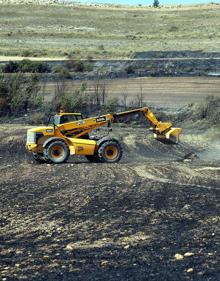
x=101 y=31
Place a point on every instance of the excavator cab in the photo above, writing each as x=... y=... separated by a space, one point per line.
x=62 y=118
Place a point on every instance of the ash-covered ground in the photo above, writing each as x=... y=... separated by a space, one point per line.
x=153 y=216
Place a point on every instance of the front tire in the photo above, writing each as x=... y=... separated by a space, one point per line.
x=57 y=152
x=110 y=152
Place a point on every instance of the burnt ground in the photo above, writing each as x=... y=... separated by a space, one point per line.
x=150 y=217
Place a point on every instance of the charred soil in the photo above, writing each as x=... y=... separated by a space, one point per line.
x=153 y=216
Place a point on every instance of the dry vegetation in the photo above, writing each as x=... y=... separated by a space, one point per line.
x=171 y=92
x=105 y=31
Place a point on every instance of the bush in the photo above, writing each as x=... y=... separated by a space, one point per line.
x=33 y=67
x=18 y=93
x=173 y=28
x=78 y=65
x=26 y=66
x=62 y=72
x=69 y=102
x=130 y=69
x=36 y=118
x=10 y=67
x=111 y=105
x=26 y=53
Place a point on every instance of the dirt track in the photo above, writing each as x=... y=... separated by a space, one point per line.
x=127 y=221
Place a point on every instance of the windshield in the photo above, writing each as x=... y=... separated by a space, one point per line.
x=66 y=118
x=56 y=120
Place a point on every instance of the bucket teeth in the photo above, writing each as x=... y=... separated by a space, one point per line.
x=171 y=136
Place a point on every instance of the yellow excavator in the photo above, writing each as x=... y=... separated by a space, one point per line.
x=69 y=134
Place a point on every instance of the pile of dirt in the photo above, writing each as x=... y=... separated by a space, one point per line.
x=138 y=145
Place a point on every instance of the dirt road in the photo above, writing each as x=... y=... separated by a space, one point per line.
x=150 y=217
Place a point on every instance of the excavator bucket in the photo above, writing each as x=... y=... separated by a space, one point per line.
x=171 y=136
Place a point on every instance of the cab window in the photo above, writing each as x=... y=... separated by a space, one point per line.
x=69 y=118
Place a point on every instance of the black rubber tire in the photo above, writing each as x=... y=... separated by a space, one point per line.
x=102 y=151
x=49 y=152
x=39 y=158
x=92 y=158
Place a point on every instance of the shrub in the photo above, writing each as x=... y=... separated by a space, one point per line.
x=26 y=53
x=173 y=28
x=101 y=47
x=62 y=72
x=18 y=93
x=36 y=118
x=130 y=69
x=10 y=67
x=111 y=105
x=69 y=102
x=33 y=66
x=78 y=65
x=26 y=66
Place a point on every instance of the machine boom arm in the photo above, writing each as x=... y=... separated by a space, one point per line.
x=149 y=115
x=163 y=131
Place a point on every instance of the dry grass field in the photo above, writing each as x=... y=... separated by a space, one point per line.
x=105 y=31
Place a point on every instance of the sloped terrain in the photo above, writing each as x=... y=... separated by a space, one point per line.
x=104 y=31
x=153 y=216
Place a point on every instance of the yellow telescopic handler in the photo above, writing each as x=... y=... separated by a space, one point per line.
x=69 y=135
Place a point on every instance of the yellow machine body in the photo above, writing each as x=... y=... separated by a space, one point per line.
x=76 y=146
x=69 y=135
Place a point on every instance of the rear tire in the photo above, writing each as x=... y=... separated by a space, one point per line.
x=57 y=152
x=110 y=152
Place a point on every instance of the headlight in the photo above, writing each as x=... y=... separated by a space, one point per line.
x=31 y=137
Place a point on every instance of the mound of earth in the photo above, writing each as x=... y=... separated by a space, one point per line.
x=138 y=145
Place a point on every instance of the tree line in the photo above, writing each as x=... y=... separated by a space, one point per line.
x=24 y=94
